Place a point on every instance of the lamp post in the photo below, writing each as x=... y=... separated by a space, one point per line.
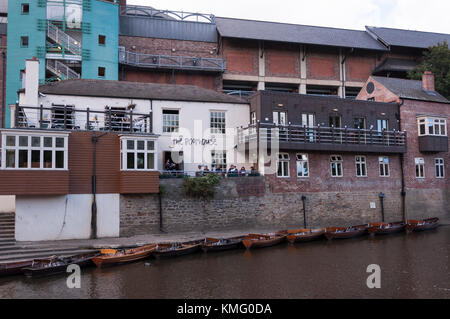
x=382 y=197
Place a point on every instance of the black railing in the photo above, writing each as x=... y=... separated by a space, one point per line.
x=180 y=174
x=66 y=117
x=321 y=135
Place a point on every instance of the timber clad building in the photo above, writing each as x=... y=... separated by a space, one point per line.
x=339 y=122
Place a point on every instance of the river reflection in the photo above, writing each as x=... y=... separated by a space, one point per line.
x=413 y=266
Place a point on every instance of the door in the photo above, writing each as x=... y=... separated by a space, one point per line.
x=308 y=123
x=280 y=119
x=336 y=123
x=359 y=123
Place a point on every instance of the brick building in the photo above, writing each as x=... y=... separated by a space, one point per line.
x=3 y=33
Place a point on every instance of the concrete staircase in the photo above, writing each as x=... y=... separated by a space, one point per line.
x=7 y=229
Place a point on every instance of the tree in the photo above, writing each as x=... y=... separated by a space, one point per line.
x=436 y=60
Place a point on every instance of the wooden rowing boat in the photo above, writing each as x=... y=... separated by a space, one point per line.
x=304 y=235
x=261 y=241
x=115 y=257
x=213 y=244
x=11 y=269
x=386 y=228
x=421 y=225
x=345 y=233
x=57 y=265
x=176 y=249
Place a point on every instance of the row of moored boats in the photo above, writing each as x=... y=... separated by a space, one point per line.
x=55 y=264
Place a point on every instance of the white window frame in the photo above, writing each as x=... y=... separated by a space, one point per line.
x=124 y=151
x=419 y=162
x=303 y=159
x=434 y=122
x=382 y=165
x=283 y=158
x=41 y=148
x=219 y=160
x=176 y=128
x=361 y=161
x=215 y=124
x=439 y=167
x=339 y=162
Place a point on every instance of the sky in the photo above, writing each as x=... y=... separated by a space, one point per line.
x=429 y=15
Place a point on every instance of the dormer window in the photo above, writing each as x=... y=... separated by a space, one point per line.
x=432 y=126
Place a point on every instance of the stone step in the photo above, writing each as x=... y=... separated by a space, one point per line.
x=6 y=224
x=34 y=255
x=8 y=218
x=5 y=230
x=25 y=250
x=7 y=227
x=7 y=242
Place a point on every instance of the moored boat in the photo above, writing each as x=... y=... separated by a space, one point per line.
x=386 y=228
x=214 y=244
x=345 y=233
x=304 y=235
x=57 y=265
x=114 y=257
x=176 y=249
x=421 y=225
x=263 y=240
x=15 y=268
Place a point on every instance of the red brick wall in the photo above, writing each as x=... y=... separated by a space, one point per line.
x=360 y=67
x=322 y=64
x=380 y=94
x=241 y=56
x=2 y=81
x=282 y=60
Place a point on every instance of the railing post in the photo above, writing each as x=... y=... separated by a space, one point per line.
x=359 y=135
x=395 y=138
x=88 y=124
x=383 y=136
x=131 y=121
x=110 y=118
x=371 y=136
x=65 y=116
x=346 y=135
x=304 y=133
x=41 y=111
x=16 y=116
x=151 y=122
x=332 y=134
x=319 y=135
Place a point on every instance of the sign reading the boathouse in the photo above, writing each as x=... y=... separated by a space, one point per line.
x=194 y=141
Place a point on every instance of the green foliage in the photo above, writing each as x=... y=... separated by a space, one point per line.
x=162 y=190
x=201 y=187
x=436 y=60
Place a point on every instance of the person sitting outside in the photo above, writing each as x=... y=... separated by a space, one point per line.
x=242 y=172
x=199 y=173
x=206 y=170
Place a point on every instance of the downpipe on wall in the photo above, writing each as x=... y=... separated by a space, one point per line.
x=95 y=140
x=304 y=211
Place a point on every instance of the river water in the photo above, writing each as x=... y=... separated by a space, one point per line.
x=412 y=266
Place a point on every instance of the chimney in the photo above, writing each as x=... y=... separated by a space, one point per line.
x=31 y=82
x=428 y=81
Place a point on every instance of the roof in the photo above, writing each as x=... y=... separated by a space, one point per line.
x=395 y=65
x=123 y=89
x=410 y=89
x=408 y=38
x=292 y=33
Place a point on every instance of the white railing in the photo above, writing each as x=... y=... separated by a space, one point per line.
x=60 y=69
x=57 y=35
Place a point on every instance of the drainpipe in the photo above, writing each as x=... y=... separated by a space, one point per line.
x=402 y=170
x=304 y=211
x=382 y=197
x=343 y=71
x=95 y=140
x=2 y=123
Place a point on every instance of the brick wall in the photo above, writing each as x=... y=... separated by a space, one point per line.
x=241 y=56
x=322 y=64
x=282 y=60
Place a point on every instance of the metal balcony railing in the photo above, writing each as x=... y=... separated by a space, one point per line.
x=65 y=117
x=62 y=38
x=295 y=134
x=61 y=70
x=171 y=62
x=166 y=14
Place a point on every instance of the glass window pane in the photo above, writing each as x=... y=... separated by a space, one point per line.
x=48 y=142
x=59 y=160
x=59 y=142
x=23 y=140
x=23 y=159
x=130 y=160
x=10 y=141
x=35 y=159
x=150 y=145
x=150 y=161
x=130 y=144
x=10 y=159
x=140 y=161
x=35 y=141
x=47 y=158
x=140 y=145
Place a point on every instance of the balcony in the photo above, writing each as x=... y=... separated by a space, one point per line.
x=154 y=61
x=65 y=117
x=329 y=139
x=433 y=144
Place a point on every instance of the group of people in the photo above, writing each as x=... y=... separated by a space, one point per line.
x=232 y=171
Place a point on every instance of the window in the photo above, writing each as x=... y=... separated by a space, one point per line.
x=432 y=126
x=171 y=121
x=138 y=154
x=382 y=125
x=383 y=162
x=283 y=165
x=24 y=42
x=359 y=123
x=302 y=165
x=361 y=166
x=440 y=170
x=219 y=158
x=101 y=71
x=336 y=166
x=253 y=118
x=34 y=151
x=217 y=122
x=101 y=39
x=25 y=8
x=420 y=167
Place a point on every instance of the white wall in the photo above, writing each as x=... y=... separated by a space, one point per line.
x=7 y=204
x=65 y=217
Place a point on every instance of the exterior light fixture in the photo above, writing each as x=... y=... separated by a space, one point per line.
x=280 y=105
x=383 y=114
x=335 y=110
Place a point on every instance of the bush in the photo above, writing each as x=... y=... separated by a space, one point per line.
x=201 y=187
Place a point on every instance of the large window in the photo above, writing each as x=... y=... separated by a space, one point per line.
x=171 y=121
x=440 y=168
x=138 y=154
x=432 y=126
x=361 y=166
x=217 y=122
x=302 y=165
x=219 y=158
x=336 y=166
x=383 y=163
x=420 y=167
x=283 y=165
x=34 y=151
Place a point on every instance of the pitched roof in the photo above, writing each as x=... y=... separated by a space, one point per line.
x=292 y=33
x=122 y=89
x=396 y=65
x=408 y=38
x=410 y=89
